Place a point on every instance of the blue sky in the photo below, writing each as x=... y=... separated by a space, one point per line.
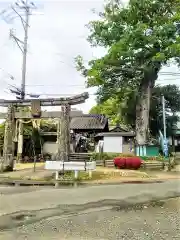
x=57 y=35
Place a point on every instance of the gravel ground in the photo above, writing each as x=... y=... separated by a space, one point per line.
x=160 y=220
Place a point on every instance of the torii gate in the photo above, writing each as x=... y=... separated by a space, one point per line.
x=63 y=134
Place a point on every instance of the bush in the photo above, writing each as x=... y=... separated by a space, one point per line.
x=127 y=162
x=153 y=158
x=109 y=156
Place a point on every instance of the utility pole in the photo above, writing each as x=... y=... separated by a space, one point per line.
x=25 y=51
x=26 y=7
x=164 y=116
x=165 y=145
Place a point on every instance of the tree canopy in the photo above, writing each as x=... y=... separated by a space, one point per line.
x=139 y=39
x=124 y=112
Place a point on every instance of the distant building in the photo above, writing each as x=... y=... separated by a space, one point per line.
x=86 y=124
x=176 y=137
x=118 y=140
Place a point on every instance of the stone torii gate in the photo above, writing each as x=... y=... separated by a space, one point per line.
x=63 y=134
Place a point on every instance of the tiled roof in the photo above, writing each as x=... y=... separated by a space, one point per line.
x=89 y=122
x=123 y=134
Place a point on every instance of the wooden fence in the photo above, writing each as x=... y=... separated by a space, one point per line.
x=146 y=165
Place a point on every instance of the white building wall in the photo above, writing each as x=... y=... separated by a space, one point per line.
x=113 y=144
x=51 y=148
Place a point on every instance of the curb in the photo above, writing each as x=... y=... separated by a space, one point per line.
x=76 y=183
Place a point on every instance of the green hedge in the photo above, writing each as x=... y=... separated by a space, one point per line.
x=109 y=156
x=155 y=158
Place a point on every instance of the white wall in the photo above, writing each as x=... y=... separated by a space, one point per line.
x=51 y=148
x=113 y=144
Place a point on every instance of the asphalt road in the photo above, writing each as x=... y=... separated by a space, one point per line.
x=104 y=212
x=143 y=222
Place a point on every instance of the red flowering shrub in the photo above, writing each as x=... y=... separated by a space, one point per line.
x=120 y=162
x=127 y=162
x=136 y=162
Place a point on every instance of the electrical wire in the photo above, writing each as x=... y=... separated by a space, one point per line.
x=170 y=73
x=79 y=85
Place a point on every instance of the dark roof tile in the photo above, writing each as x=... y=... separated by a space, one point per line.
x=89 y=122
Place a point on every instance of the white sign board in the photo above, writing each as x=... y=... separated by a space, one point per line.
x=67 y=166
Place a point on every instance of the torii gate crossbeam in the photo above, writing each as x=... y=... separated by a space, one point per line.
x=78 y=99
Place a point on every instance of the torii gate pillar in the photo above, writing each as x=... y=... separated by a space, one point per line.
x=8 y=149
x=63 y=133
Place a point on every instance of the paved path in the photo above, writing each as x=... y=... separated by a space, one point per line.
x=49 y=197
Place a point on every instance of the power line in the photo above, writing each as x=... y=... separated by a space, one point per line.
x=162 y=80
x=55 y=85
x=78 y=85
x=169 y=73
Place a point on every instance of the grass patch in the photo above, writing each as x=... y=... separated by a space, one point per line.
x=68 y=176
x=99 y=174
x=21 y=166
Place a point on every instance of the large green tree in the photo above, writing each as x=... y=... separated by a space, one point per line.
x=139 y=38
x=124 y=112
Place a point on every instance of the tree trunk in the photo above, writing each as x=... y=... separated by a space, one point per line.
x=142 y=113
x=143 y=108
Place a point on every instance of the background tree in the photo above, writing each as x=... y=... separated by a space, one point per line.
x=139 y=40
x=172 y=107
x=126 y=109
x=111 y=108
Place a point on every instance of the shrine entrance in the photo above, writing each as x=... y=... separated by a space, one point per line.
x=15 y=113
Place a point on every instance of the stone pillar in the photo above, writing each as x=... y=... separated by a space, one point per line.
x=61 y=138
x=20 y=141
x=67 y=109
x=8 y=149
x=63 y=134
